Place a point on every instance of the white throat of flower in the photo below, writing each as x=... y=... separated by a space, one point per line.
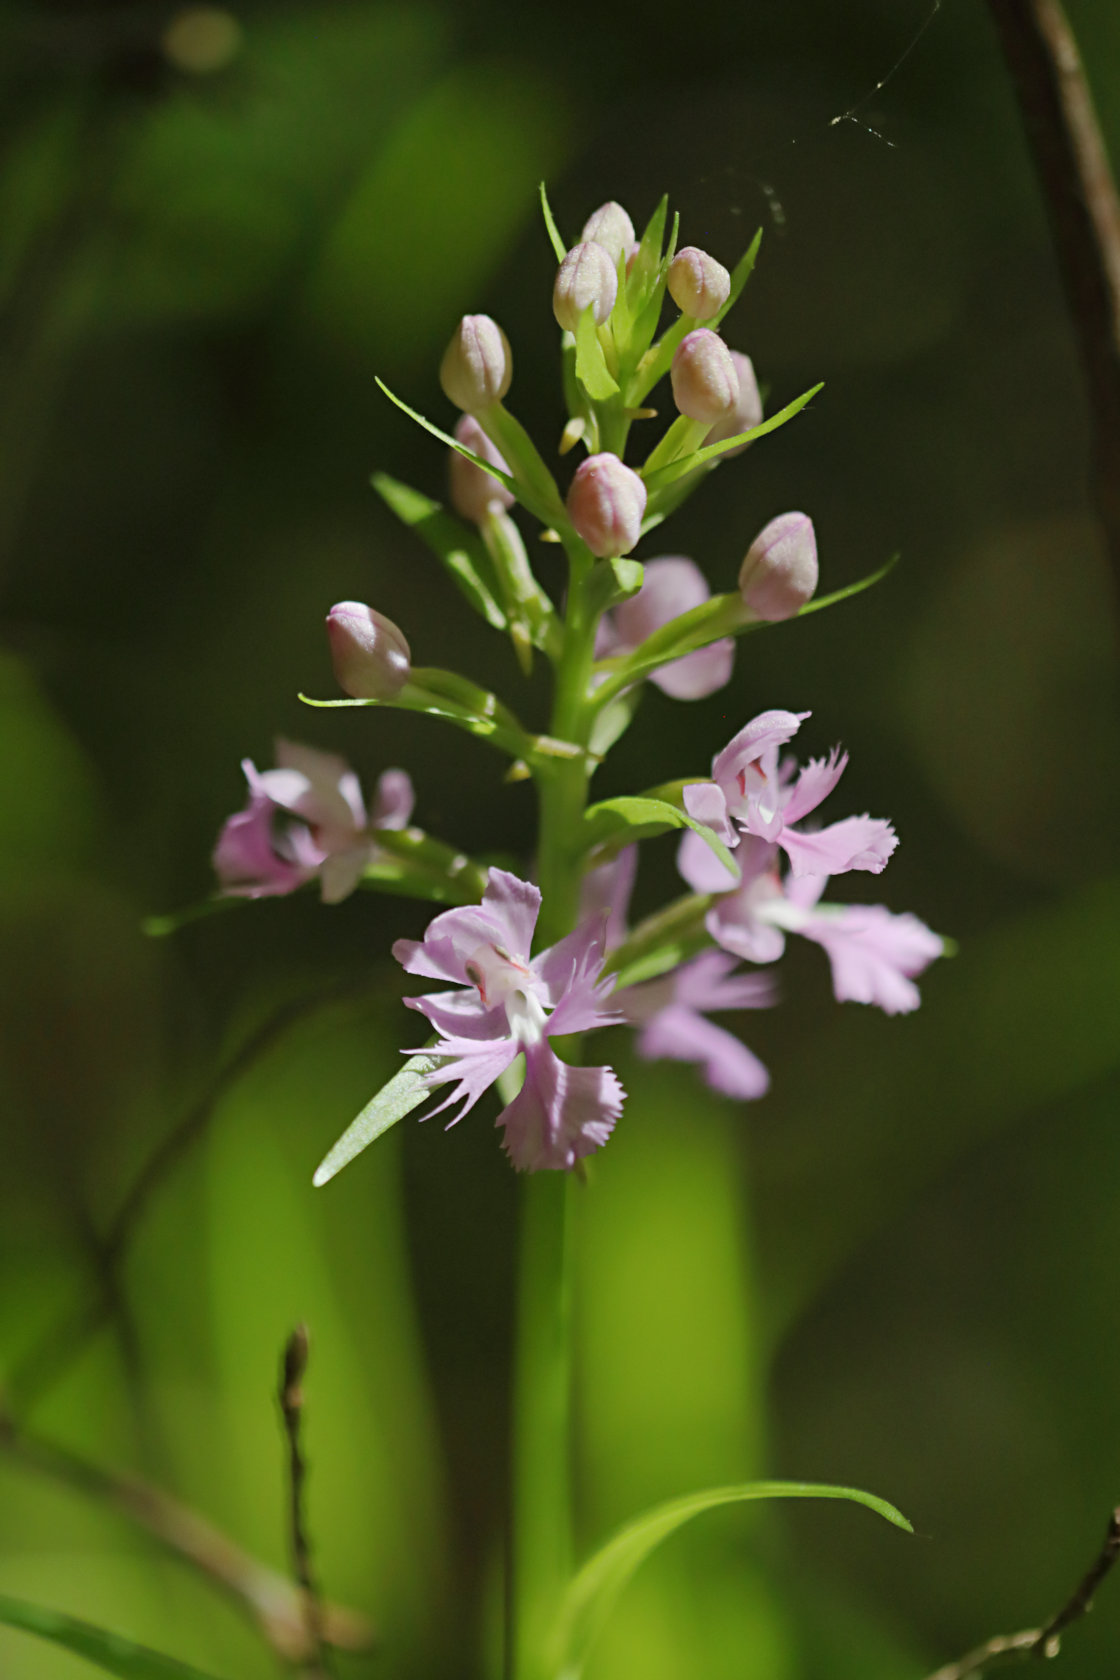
x=503 y=979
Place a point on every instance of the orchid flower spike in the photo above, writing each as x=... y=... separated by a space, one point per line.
x=698 y=284
x=306 y=819
x=587 y=279
x=672 y=585
x=751 y=793
x=512 y=1005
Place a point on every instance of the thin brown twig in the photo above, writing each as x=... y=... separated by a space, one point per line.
x=1084 y=211
x=293 y=1367
x=1043 y=1641
x=277 y=1607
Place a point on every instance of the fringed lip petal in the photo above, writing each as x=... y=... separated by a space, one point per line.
x=684 y=1035
x=854 y=843
x=561 y=1113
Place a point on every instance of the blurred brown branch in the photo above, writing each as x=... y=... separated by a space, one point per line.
x=63 y=1341
x=1084 y=211
x=277 y=1607
x=293 y=1366
x=1045 y=1641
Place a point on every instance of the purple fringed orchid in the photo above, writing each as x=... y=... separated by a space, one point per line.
x=673 y=585
x=512 y=1005
x=874 y=954
x=753 y=793
x=671 y=1011
x=305 y=819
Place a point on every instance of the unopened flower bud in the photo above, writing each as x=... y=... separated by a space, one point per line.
x=705 y=383
x=747 y=412
x=606 y=503
x=698 y=284
x=587 y=276
x=779 y=573
x=473 y=491
x=477 y=365
x=610 y=227
x=370 y=655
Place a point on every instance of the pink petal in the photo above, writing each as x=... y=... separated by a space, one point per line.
x=561 y=1113
x=606 y=891
x=696 y=675
x=393 y=800
x=682 y=1035
x=873 y=954
x=814 y=784
x=515 y=904
x=472 y=1066
x=700 y=866
x=855 y=843
x=673 y=585
x=705 y=803
x=767 y=731
x=734 y=923
x=707 y=983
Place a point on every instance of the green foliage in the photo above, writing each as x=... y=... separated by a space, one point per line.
x=462 y=552
x=398 y=1097
x=110 y=1652
x=593 y=1592
x=614 y=823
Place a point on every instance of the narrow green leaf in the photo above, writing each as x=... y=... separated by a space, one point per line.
x=643 y=271
x=444 y=437
x=848 y=591
x=613 y=581
x=110 y=1652
x=404 y=1092
x=461 y=551
x=712 y=451
x=591 y=364
x=159 y=927
x=740 y=274
x=557 y=243
x=593 y=1592
x=620 y=822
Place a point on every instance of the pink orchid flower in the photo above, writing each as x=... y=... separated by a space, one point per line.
x=874 y=954
x=671 y=1011
x=753 y=793
x=673 y=585
x=511 y=1006
x=305 y=819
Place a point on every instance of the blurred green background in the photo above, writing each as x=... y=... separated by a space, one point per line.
x=900 y=1269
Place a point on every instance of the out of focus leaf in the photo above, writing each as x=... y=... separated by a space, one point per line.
x=111 y=1652
x=557 y=243
x=740 y=274
x=404 y=1092
x=593 y=1592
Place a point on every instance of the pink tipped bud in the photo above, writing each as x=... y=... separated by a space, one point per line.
x=698 y=284
x=610 y=227
x=606 y=503
x=747 y=412
x=477 y=366
x=474 y=492
x=370 y=655
x=705 y=383
x=587 y=276
x=780 y=572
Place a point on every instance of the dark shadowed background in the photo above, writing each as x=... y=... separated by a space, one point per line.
x=900 y=1269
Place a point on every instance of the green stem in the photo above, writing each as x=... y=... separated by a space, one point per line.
x=542 y=1531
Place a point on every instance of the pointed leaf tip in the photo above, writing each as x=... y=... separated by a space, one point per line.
x=404 y=1092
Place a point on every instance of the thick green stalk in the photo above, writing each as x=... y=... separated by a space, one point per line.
x=542 y=1519
x=542 y=1468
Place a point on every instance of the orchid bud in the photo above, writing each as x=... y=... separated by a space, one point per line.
x=477 y=365
x=370 y=655
x=705 y=383
x=747 y=412
x=587 y=277
x=610 y=227
x=698 y=284
x=474 y=491
x=606 y=503
x=779 y=573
